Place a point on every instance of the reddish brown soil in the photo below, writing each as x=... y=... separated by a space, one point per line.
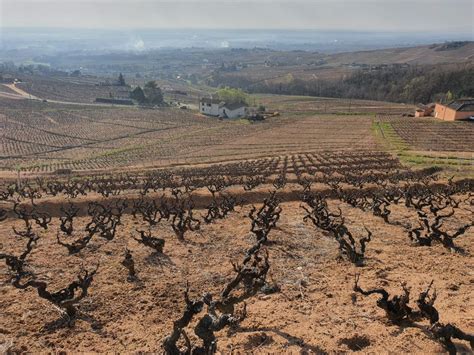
x=316 y=309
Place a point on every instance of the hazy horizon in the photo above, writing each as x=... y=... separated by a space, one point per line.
x=402 y=16
x=29 y=42
x=249 y=29
x=31 y=28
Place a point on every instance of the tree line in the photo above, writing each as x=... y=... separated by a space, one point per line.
x=413 y=84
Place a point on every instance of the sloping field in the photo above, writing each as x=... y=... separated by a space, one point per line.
x=323 y=105
x=46 y=137
x=434 y=54
x=294 y=294
x=83 y=90
x=300 y=241
x=437 y=135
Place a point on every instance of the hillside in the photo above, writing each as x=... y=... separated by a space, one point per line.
x=433 y=54
x=417 y=74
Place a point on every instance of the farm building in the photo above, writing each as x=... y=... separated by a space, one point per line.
x=210 y=106
x=218 y=108
x=236 y=110
x=424 y=110
x=455 y=110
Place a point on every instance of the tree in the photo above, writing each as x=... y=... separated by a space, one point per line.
x=121 y=80
x=138 y=95
x=449 y=96
x=153 y=93
x=231 y=96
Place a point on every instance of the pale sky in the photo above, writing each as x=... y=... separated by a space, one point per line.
x=361 y=15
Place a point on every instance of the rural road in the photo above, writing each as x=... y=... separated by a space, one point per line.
x=21 y=94
x=20 y=91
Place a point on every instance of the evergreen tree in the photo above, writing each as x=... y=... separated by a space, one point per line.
x=121 y=80
x=138 y=95
x=153 y=93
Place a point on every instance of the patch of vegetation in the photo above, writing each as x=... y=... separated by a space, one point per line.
x=151 y=94
x=385 y=132
x=232 y=96
x=420 y=159
x=118 y=151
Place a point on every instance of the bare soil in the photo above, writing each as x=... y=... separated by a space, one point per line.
x=315 y=311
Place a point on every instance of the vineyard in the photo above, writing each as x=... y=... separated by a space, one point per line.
x=429 y=134
x=325 y=219
x=46 y=137
x=83 y=90
x=49 y=137
x=309 y=252
x=424 y=142
x=165 y=231
x=324 y=105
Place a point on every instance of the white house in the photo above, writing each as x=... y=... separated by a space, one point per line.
x=233 y=111
x=218 y=108
x=210 y=106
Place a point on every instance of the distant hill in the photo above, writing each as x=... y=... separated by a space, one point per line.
x=416 y=74
x=410 y=74
x=451 y=52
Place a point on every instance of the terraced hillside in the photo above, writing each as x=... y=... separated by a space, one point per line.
x=58 y=88
x=325 y=105
x=46 y=137
x=431 y=134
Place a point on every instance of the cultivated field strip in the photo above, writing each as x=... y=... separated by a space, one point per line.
x=83 y=90
x=436 y=135
x=34 y=134
x=322 y=105
x=48 y=137
x=295 y=135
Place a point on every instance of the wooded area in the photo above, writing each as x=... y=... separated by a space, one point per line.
x=411 y=84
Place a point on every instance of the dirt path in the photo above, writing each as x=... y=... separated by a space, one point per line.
x=20 y=91
x=21 y=94
x=10 y=95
